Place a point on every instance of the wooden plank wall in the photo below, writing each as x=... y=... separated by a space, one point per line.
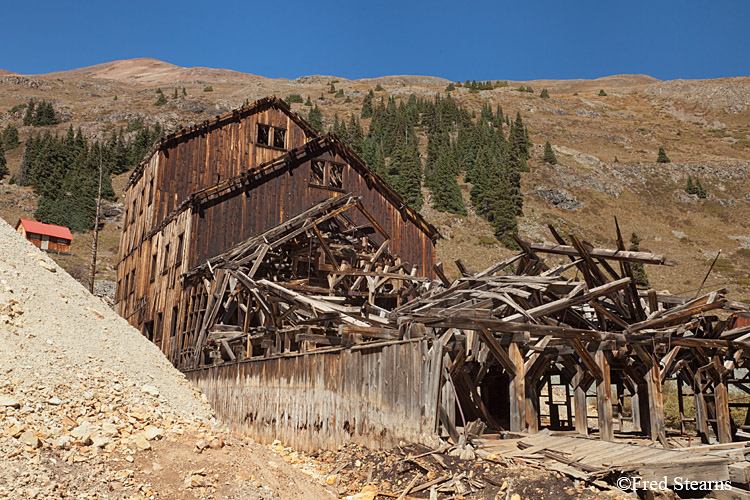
x=288 y=192
x=375 y=396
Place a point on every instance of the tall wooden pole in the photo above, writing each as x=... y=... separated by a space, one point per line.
x=95 y=241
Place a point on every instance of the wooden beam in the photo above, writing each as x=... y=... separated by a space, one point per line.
x=604 y=253
x=517 y=391
x=604 y=398
x=499 y=352
x=581 y=408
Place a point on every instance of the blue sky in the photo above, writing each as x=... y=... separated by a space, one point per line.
x=481 y=40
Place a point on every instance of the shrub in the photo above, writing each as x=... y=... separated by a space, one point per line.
x=544 y=94
x=662 y=157
x=291 y=98
x=208 y=88
x=602 y=93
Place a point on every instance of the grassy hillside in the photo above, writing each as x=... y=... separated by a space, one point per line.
x=703 y=125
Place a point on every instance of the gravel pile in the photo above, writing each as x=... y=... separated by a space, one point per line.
x=78 y=384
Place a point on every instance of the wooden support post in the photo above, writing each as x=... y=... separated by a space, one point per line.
x=701 y=411
x=532 y=406
x=634 y=405
x=604 y=398
x=656 y=428
x=517 y=391
x=582 y=426
x=723 y=417
x=680 y=404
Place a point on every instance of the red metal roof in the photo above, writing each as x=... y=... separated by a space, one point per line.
x=32 y=226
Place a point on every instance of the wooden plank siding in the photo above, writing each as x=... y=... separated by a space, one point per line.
x=374 y=396
x=160 y=205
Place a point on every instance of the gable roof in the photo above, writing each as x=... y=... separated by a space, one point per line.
x=311 y=149
x=218 y=122
x=32 y=226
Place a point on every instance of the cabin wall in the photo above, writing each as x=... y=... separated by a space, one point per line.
x=287 y=192
x=374 y=396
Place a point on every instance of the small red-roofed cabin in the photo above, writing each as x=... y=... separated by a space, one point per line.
x=45 y=236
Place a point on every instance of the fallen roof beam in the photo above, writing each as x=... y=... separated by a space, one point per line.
x=604 y=253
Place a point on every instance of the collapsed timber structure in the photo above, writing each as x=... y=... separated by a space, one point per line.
x=299 y=292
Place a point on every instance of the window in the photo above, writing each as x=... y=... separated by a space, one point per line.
x=132 y=213
x=327 y=174
x=132 y=281
x=166 y=259
x=153 y=267
x=148 y=330
x=180 y=250
x=264 y=134
x=150 y=191
x=158 y=329
x=143 y=194
x=271 y=136
x=279 y=134
x=175 y=316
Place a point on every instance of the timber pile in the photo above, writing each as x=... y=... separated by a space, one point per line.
x=317 y=280
x=320 y=281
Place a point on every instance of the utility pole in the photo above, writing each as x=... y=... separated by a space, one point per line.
x=95 y=241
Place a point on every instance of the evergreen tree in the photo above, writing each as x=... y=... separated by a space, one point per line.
x=184 y=92
x=3 y=166
x=445 y=190
x=544 y=94
x=549 y=154
x=161 y=100
x=315 y=118
x=662 y=157
x=639 y=272
x=602 y=93
x=308 y=102
x=690 y=189
x=356 y=135
x=700 y=190
x=616 y=160
x=367 y=108
x=332 y=88
x=9 y=138
x=175 y=93
x=28 y=118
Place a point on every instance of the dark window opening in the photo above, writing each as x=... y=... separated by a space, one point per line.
x=151 y=191
x=279 y=136
x=153 y=267
x=180 y=250
x=148 y=330
x=143 y=195
x=264 y=135
x=166 y=259
x=132 y=281
x=157 y=329
x=175 y=315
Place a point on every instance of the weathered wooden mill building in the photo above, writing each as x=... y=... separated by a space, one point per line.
x=295 y=288
x=205 y=189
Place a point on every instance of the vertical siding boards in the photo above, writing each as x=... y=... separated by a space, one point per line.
x=326 y=399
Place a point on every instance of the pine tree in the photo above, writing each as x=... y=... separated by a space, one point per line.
x=690 y=189
x=184 y=92
x=616 y=160
x=175 y=93
x=315 y=118
x=544 y=94
x=602 y=93
x=356 y=135
x=9 y=138
x=367 y=109
x=639 y=272
x=308 y=102
x=700 y=190
x=549 y=154
x=3 y=166
x=161 y=100
x=445 y=190
x=662 y=157
x=28 y=118
x=332 y=88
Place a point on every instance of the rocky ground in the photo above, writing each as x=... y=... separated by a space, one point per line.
x=90 y=409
